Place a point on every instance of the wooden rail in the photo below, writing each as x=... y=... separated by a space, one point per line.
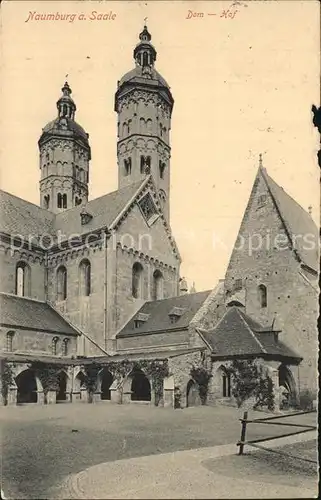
x=267 y=420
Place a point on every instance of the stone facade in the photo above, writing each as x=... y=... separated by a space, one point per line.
x=292 y=291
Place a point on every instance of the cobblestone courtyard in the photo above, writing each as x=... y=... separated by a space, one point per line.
x=41 y=445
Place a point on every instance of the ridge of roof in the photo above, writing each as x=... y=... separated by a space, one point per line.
x=251 y=332
x=281 y=200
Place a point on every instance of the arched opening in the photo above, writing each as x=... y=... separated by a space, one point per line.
x=26 y=387
x=65 y=347
x=54 y=343
x=140 y=387
x=145 y=59
x=61 y=283
x=287 y=383
x=62 y=387
x=46 y=201
x=157 y=292
x=192 y=394
x=64 y=201
x=59 y=200
x=106 y=382
x=262 y=295
x=162 y=167
x=137 y=280
x=79 y=383
x=84 y=278
x=149 y=124
x=23 y=280
x=10 y=336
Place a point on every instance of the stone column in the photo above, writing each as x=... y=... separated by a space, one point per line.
x=51 y=397
x=97 y=397
x=127 y=395
x=168 y=398
x=84 y=395
x=75 y=396
x=115 y=396
x=40 y=398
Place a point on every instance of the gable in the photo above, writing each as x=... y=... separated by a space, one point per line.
x=262 y=239
x=142 y=226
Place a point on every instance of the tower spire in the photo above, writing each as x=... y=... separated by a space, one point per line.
x=260 y=161
x=65 y=105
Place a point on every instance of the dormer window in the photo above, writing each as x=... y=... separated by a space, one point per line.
x=140 y=319
x=176 y=313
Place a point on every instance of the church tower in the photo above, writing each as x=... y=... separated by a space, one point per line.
x=64 y=159
x=144 y=105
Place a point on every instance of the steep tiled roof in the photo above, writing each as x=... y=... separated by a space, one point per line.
x=237 y=334
x=297 y=222
x=103 y=210
x=20 y=217
x=159 y=314
x=31 y=314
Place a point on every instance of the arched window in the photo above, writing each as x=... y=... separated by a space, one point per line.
x=10 y=336
x=141 y=125
x=149 y=125
x=226 y=382
x=65 y=343
x=54 y=346
x=157 y=292
x=129 y=126
x=162 y=166
x=137 y=280
x=128 y=166
x=46 y=200
x=23 y=279
x=61 y=283
x=124 y=129
x=145 y=59
x=59 y=200
x=84 y=278
x=263 y=295
x=64 y=201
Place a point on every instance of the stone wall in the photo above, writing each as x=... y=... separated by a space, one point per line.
x=35 y=342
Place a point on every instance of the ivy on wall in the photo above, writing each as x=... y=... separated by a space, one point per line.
x=7 y=379
x=202 y=376
x=249 y=381
x=48 y=374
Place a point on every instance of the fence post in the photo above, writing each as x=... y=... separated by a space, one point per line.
x=243 y=432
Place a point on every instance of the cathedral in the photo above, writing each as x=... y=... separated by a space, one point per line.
x=93 y=307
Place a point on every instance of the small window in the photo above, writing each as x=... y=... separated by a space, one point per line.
x=85 y=278
x=261 y=200
x=10 y=336
x=46 y=201
x=65 y=344
x=61 y=283
x=137 y=272
x=157 y=292
x=238 y=284
x=138 y=323
x=54 y=343
x=263 y=295
x=23 y=281
x=226 y=381
x=128 y=166
x=162 y=167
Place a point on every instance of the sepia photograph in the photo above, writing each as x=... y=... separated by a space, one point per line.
x=159 y=249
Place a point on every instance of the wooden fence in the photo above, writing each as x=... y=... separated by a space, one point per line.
x=245 y=421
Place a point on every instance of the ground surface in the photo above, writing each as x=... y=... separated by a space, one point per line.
x=41 y=445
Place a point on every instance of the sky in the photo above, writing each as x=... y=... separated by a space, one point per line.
x=242 y=85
